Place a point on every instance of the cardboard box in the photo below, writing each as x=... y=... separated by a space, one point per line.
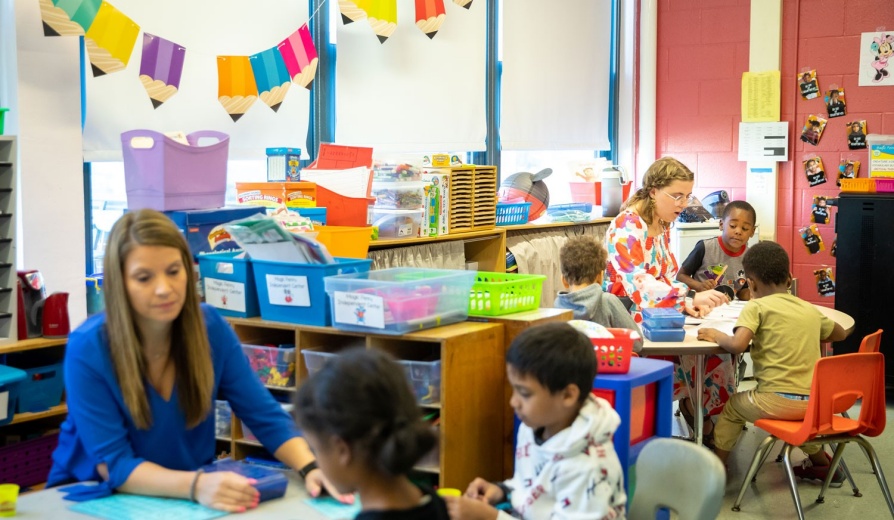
x=275 y=194
x=436 y=186
x=283 y=164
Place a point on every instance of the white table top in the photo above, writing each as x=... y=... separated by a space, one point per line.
x=50 y=504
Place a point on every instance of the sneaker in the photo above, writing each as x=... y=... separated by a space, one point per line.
x=808 y=471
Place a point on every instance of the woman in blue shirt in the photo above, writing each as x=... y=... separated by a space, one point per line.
x=141 y=380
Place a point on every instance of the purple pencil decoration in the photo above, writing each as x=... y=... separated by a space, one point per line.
x=161 y=68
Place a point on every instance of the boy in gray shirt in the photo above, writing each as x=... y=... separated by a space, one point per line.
x=583 y=262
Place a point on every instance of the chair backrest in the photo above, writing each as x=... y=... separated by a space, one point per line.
x=680 y=476
x=871 y=342
x=838 y=381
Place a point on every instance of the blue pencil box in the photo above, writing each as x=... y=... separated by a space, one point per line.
x=270 y=484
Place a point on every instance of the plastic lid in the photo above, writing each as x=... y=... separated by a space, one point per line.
x=11 y=375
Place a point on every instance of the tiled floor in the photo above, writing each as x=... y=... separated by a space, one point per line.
x=770 y=497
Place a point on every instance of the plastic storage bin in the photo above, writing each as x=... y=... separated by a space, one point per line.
x=10 y=381
x=270 y=483
x=512 y=214
x=663 y=335
x=496 y=294
x=662 y=318
x=858 y=185
x=162 y=174
x=295 y=293
x=425 y=379
x=41 y=389
x=397 y=223
x=274 y=366
x=400 y=300
x=345 y=241
x=223 y=416
x=315 y=359
x=28 y=462
x=884 y=185
x=344 y=211
x=229 y=284
x=613 y=354
x=204 y=230
x=316 y=215
x=398 y=194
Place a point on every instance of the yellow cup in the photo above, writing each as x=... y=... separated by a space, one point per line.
x=450 y=492
x=9 y=494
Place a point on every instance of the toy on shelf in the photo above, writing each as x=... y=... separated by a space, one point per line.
x=529 y=187
x=275 y=366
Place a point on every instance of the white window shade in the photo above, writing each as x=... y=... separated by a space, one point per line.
x=412 y=93
x=555 y=81
x=118 y=102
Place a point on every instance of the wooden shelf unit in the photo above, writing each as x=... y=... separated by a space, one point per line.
x=8 y=278
x=487 y=247
x=472 y=386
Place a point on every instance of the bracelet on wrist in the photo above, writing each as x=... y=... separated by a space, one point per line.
x=194 y=485
x=310 y=466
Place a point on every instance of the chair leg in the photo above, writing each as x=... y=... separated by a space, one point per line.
x=877 y=467
x=764 y=458
x=756 y=462
x=836 y=460
x=850 y=479
x=790 y=473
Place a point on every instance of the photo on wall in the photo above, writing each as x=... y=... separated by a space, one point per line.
x=825 y=281
x=813 y=241
x=876 y=59
x=856 y=135
x=813 y=168
x=813 y=129
x=808 y=85
x=835 y=103
x=848 y=169
x=819 y=214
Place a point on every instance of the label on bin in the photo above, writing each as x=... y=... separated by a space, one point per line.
x=225 y=295
x=288 y=290
x=4 y=405
x=364 y=310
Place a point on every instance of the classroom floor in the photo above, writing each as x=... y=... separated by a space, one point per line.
x=770 y=497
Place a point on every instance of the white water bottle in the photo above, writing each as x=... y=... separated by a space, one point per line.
x=612 y=192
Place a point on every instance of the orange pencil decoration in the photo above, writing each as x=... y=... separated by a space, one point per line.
x=382 y=15
x=430 y=15
x=352 y=10
x=236 y=87
x=110 y=40
x=67 y=18
x=463 y=3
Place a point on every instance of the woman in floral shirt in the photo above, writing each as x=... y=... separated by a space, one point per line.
x=642 y=267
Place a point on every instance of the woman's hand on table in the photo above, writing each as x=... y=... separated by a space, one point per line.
x=315 y=482
x=226 y=491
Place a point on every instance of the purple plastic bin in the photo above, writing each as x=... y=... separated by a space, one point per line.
x=162 y=174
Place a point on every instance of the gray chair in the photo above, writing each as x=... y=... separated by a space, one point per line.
x=680 y=476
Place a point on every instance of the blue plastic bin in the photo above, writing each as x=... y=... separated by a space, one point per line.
x=203 y=227
x=229 y=284
x=10 y=381
x=663 y=335
x=663 y=318
x=41 y=389
x=295 y=293
x=316 y=215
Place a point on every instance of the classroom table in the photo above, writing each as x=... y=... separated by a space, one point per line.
x=49 y=503
x=691 y=345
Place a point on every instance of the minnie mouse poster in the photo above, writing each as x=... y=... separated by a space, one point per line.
x=876 y=53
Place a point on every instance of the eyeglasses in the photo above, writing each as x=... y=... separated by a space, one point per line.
x=681 y=200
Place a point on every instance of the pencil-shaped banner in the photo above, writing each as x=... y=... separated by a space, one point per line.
x=110 y=40
x=430 y=15
x=67 y=17
x=236 y=87
x=300 y=56
x=161 y=68
x=382 y=15
x=352 y=10
x=463 y=3
x=271 y=77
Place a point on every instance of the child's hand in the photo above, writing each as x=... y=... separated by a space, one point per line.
x=485 y=491
x=707 y=285
x=708 y=334
x=464 y=508
x=316 y=482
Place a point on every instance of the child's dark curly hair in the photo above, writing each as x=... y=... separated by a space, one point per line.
x=767 y=263
x=582 y=259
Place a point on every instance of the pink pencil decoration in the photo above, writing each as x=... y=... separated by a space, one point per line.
x=300 y=56
x=161 y=68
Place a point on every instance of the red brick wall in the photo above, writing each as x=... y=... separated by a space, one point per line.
x=699 y=73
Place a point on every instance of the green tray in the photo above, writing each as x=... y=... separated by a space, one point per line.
x=496 y=294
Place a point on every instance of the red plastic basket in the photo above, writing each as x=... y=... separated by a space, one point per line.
x=27 y=463
x=613 y=354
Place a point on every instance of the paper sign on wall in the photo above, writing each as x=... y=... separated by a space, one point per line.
x=225 y=295
x=288 y=290
x=763 y=141
x=359 y=309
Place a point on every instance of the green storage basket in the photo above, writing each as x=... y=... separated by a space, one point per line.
x=496 y=294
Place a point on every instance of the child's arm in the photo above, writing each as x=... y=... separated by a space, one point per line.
x=735 y=344
x=691 y=265
x=838 y=334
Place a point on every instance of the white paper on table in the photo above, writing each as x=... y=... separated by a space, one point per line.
x=731 y=311
x=351 y=182
x=725 y=326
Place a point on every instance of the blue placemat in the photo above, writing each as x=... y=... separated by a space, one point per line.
x=136 y=507
x=332 y=508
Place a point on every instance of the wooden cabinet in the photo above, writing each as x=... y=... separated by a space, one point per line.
x=8 y=301
x=472 y=384
x=487 y=248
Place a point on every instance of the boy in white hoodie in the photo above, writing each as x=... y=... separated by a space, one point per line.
x=565 y=463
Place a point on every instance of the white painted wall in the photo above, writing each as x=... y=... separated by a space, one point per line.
x=44 y=84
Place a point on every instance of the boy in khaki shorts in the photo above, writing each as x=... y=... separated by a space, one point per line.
x=785 y=334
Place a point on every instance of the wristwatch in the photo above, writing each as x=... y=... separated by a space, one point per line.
x=689 y=296
x=310 y=466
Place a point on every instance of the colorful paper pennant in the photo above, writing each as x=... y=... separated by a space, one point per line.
x=110 y=40
x=382 y=15
x=430 y=15
x=161 y=68
x=236 y=87
x=300 y=56
x=463 y=3
x=352 y=10
x=67 y=17
x=271 y=77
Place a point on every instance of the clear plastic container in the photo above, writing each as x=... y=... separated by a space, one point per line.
x=663 y=318
x=223 y=415
x=425 y=378
x=275 y=366
x=398 y=195
x=663 y=335
x=315 y=359
x=400 y=300
x=396 y=223
x=249 y=436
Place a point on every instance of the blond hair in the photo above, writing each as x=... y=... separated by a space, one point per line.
x=190 y=350
x=662 y=173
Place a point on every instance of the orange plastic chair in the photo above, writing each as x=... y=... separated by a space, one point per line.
x=838 y=382
x=871 y=342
